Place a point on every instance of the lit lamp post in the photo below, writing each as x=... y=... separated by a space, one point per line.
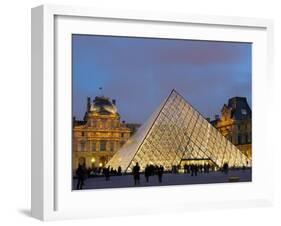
x=93 y=160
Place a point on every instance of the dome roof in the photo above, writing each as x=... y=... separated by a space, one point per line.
x=103 y=105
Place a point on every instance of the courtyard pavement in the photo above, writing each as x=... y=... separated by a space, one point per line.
x=168 y=179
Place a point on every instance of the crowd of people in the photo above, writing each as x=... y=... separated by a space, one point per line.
x=150 y=170
x=82 y=173
x=193 y=169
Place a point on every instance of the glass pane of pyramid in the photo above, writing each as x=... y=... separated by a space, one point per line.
x=176 y=132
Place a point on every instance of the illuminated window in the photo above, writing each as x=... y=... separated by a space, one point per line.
x=94 y=146
x=102 y=145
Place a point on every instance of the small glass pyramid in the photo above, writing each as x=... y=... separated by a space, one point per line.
x=174 y=133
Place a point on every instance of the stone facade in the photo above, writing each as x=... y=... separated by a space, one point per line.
x=99 y=135
x=235 y=124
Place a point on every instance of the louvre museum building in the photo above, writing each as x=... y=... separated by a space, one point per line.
x=175 y=134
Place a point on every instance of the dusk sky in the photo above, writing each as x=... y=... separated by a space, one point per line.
x=141 y=72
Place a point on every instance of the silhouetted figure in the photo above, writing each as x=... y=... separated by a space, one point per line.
x=225 y=168
x=195 y=170
x=192 y=169
x=208 y=168
x=160 y=173
x=136 y=174
x=81 y=174
x=147 y=172
x=106 y=172
x=119 y=172
x=173 y=169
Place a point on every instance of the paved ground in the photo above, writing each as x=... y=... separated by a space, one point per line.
x=168 y=179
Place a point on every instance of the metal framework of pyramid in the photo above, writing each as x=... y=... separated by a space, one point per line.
x=174 y=132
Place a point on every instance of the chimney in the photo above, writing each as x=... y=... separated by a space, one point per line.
x=114 y=102
x=217 y=117
x=88 y=103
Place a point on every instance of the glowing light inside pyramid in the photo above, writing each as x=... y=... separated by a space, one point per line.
x=174 y=132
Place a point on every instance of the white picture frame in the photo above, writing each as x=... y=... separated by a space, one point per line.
x=52 y=197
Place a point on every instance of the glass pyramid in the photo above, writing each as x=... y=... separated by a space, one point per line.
x=177 y=132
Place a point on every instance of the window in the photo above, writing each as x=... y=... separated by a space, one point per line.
x=239 y=139
x=82 y=146
x=111 y=146
x=93 y=123
x=243 y=112
x=249 y=137
x=82 y=134
x=94 y=146
x=102 y=145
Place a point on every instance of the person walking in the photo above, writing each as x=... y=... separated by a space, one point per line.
x=106 y=172
x=160 y=173
x=136 y=173
x=119 y=172
x=81 y=174
x=195 y=169
x=147 y=173
x=192 y=169
x=225 y=168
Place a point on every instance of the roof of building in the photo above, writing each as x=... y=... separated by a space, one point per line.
x=103 y=105
x=240 y=109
